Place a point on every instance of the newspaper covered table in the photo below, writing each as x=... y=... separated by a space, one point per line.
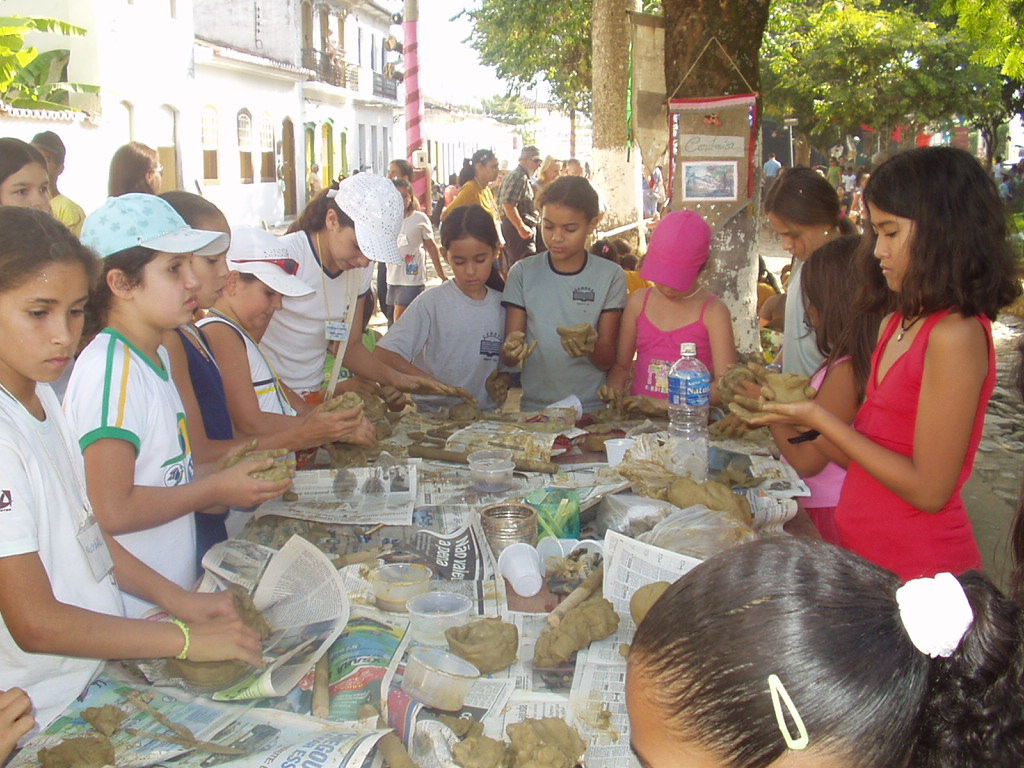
x=408 y=511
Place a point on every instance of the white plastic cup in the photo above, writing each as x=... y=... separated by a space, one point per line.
x=617 y=448
x=549 y=547
x=589 y=545
x=520 y=564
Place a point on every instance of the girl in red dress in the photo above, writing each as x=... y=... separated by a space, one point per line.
x=938 y=233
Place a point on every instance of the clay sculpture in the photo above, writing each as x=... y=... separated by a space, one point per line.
x=489 y=644
x=546 y=743
x=593 y=619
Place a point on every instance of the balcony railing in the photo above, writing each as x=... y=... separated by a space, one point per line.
x=331 y=69
x=382 y=86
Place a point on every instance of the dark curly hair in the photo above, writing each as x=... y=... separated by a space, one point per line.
x=827 y=623
x=960 y=255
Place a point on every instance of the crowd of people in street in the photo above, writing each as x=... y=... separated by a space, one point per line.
x=146 y=343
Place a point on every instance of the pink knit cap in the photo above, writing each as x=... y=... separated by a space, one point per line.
x=678 y=250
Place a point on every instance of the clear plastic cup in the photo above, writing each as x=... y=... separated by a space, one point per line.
x=520 y=564
x=616 y=449
x=431 y=613
x=393 y=584
x=438 y=678
x=491 y=470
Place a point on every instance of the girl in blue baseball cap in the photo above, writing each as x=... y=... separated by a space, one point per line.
x=123 y=406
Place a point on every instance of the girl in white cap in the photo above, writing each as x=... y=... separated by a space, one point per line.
x=199 y=379
x=123 y=406
x=261 y=275
x=61 y=611
x=333 y=242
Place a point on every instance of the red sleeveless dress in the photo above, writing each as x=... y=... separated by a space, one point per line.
x=872 y=520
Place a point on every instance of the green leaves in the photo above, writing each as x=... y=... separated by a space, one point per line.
x=837 y=65
x=30 y=79
x=530 y=40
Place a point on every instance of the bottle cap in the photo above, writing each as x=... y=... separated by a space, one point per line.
x=687 y=348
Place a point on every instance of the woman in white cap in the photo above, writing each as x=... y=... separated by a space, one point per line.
x=261 y=275
x=333 y=242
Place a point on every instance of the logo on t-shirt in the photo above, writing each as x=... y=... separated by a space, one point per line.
x=490 y=345
x=583 y=293
x=6 y=501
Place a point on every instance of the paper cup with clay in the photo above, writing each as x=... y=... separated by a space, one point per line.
x=520 y=564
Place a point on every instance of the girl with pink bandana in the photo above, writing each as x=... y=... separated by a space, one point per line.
x=677 y=309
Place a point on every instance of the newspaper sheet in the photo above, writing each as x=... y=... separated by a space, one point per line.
x=137 y=743
x=361 y=495
x=599 y=684
x=301 y=596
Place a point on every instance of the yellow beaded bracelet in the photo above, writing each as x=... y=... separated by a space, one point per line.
x=188 y=638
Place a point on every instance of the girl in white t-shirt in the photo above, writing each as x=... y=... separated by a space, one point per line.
x=407 y=278
x=60 y=606
x=121 y=402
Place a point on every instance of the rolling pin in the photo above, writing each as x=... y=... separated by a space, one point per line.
x=419 y=451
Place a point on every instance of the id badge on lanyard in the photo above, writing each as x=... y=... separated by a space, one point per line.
x=90 y=539
x=336 y=330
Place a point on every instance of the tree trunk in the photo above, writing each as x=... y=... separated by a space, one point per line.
x=616 y=171
x=739 y=26
x=572 y=132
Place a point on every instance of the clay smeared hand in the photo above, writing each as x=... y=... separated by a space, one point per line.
x=516 y=348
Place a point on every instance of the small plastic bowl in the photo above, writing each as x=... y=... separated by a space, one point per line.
x=431 y=613
x=491 y=470
x=438 y=678
x=395 y=583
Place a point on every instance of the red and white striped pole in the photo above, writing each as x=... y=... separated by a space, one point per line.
x=414 y=99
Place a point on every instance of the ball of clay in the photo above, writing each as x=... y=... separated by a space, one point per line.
x=220 y=674
x=479 y=752
x=644 y=598
x=787 y=387
x=582 y=336
x=465 y=412
x=344 y=402
x=80 y=752
x=489 y=644
x=685 y=492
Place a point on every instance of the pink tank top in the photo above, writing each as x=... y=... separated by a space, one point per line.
x=657 y=350
x=872 y=520
x=826 y=485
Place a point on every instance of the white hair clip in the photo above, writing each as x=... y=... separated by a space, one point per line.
x=935 y=612
x=780 y=698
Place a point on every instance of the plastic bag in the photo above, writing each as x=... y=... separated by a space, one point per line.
x=558 y=512
x=698 y=532
x=629 y=515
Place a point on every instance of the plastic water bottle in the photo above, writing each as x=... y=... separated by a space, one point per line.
x=689 y=399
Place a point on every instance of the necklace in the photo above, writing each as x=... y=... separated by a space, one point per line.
x=693 y=293
x=905 y=326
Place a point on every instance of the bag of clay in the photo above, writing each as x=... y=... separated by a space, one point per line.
x=629 y=515
x=558 y=512
x=698 y=532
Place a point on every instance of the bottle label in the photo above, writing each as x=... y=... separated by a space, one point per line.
x=693 y=390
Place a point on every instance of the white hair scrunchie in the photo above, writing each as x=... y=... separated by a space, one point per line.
x=935 y=612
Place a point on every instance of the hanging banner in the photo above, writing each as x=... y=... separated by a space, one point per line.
x=714 y=155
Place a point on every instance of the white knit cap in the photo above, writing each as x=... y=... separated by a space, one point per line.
x=377 y=208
